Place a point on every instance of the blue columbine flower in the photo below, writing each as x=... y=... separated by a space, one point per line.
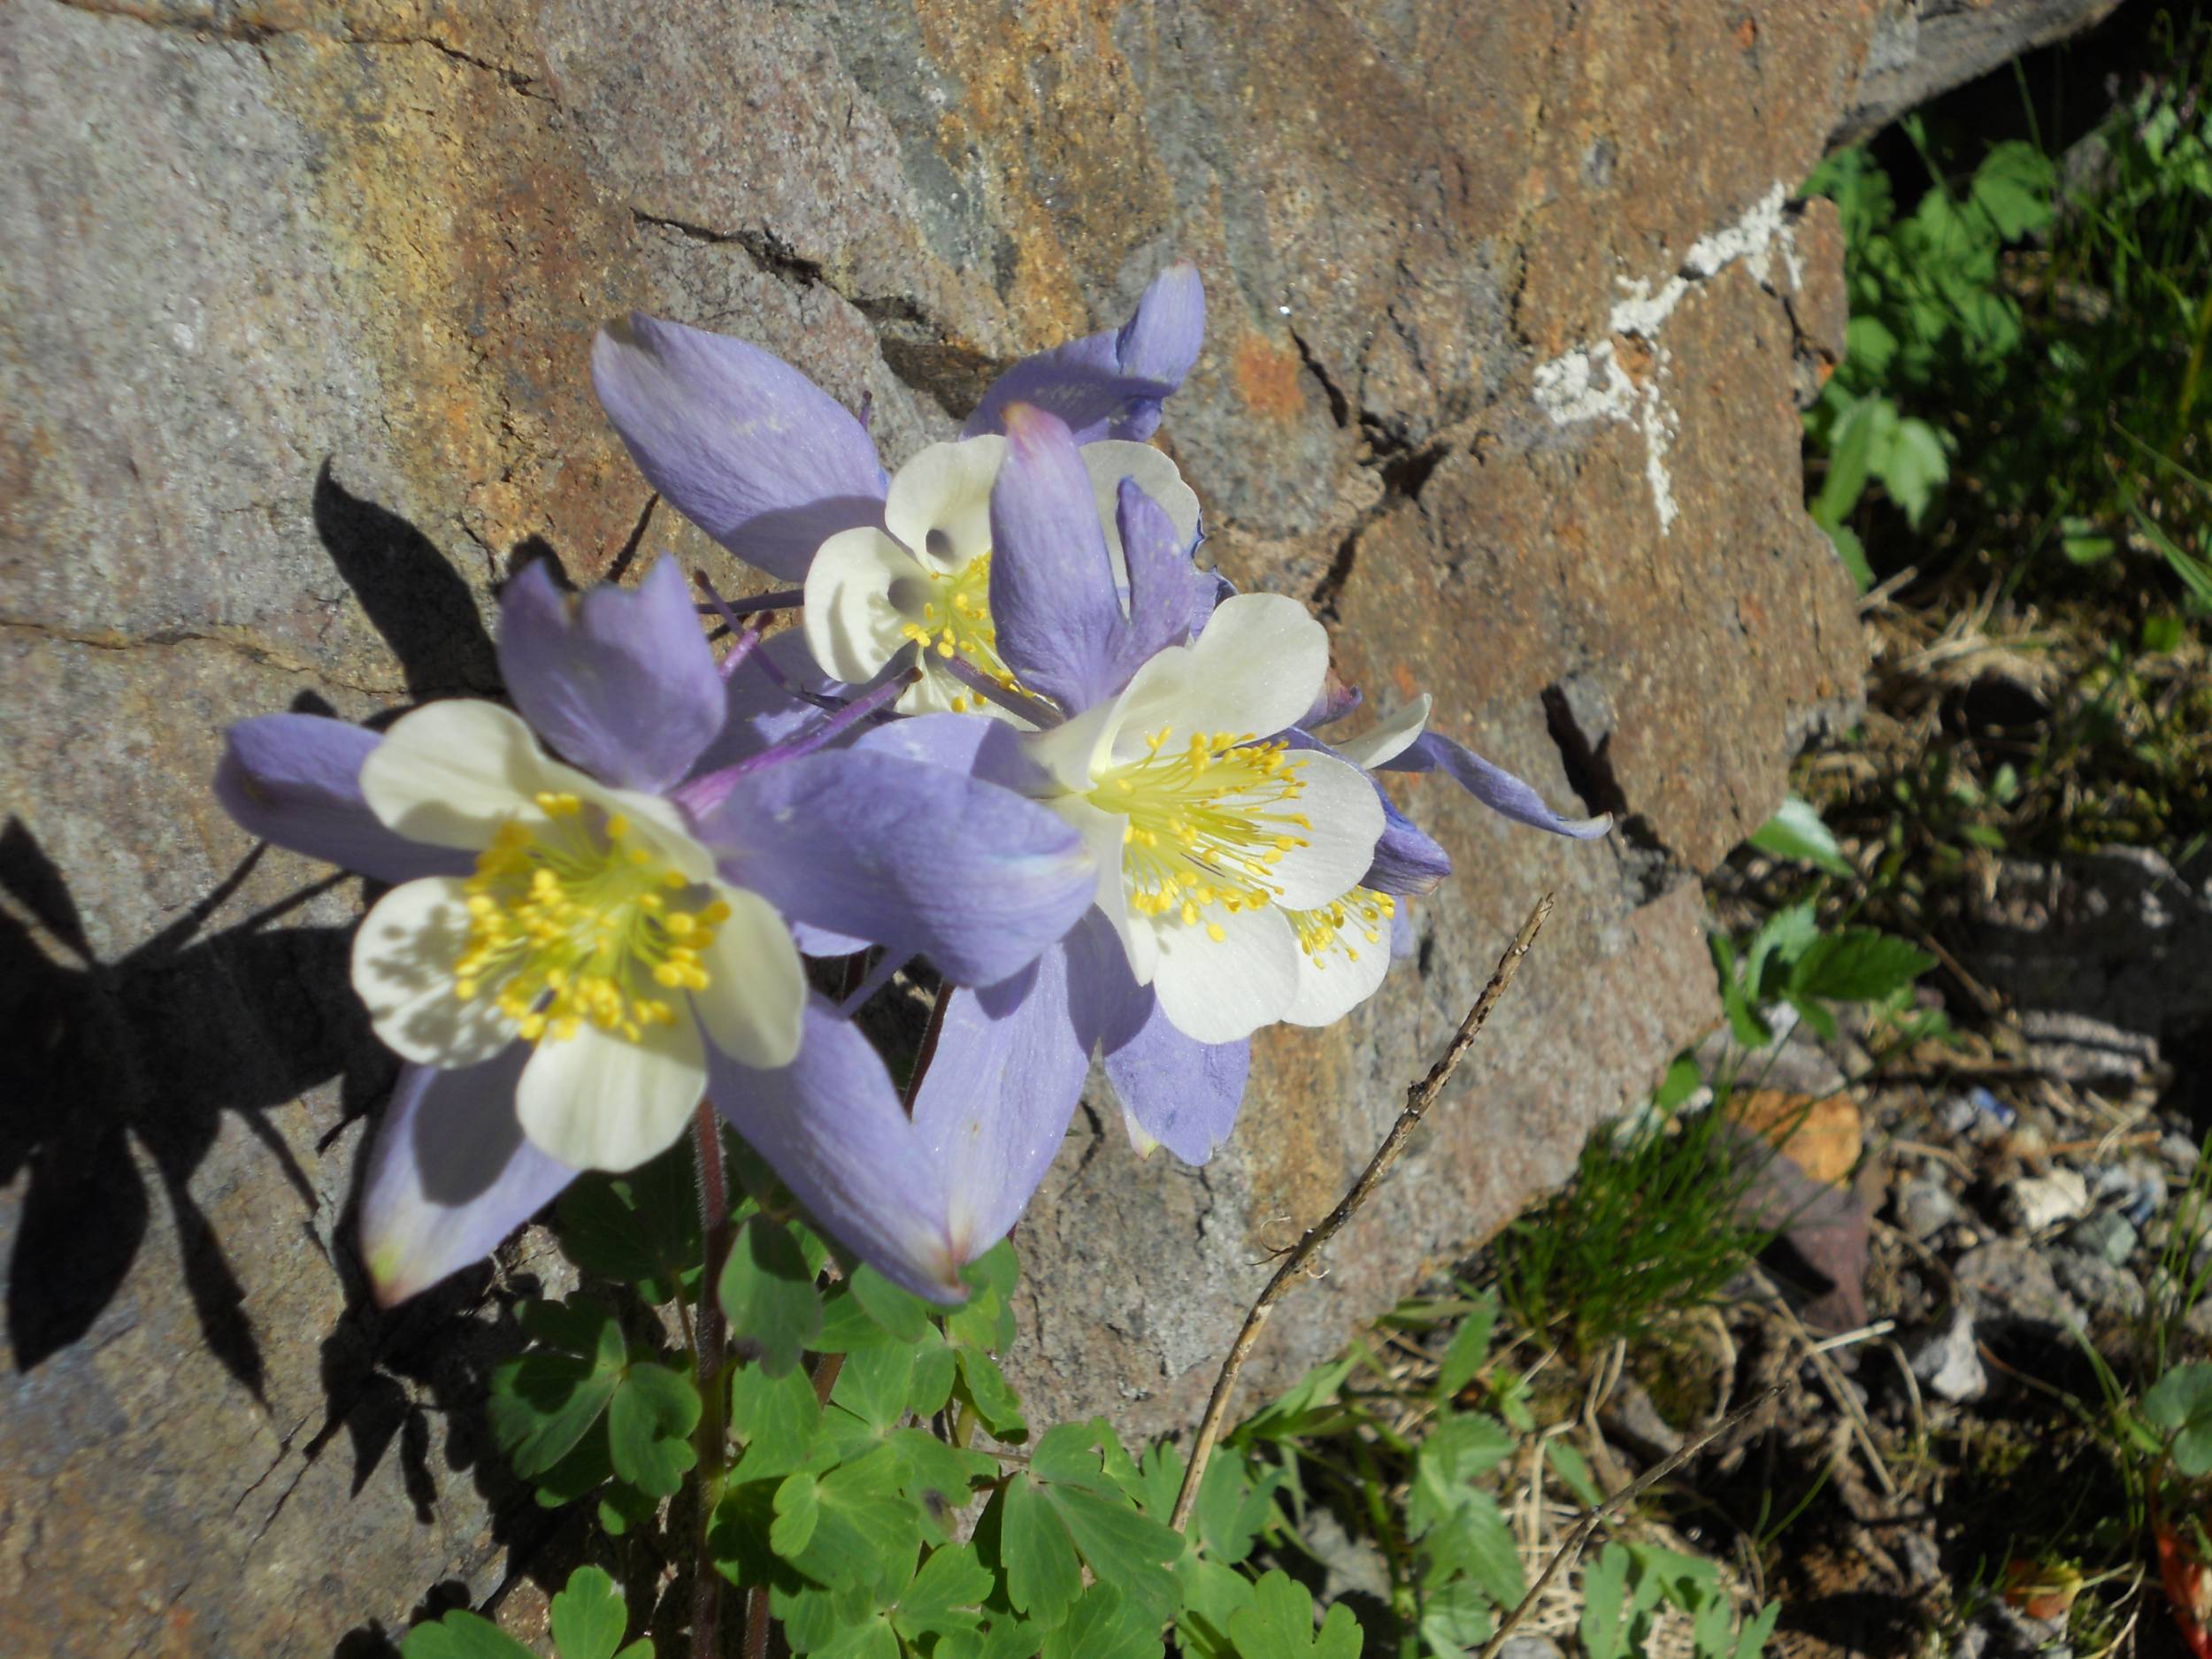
x=589 y=924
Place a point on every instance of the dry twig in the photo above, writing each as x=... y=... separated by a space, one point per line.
x=1418 y=1099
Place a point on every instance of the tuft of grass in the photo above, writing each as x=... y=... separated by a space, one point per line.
x=1647 y=1230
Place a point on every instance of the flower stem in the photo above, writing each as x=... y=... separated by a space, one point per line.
x=712 y=1439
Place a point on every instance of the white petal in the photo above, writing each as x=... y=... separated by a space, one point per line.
x=1101 y=834
x=1339 y=977
x=597 y=1100
x=939 y=502
x=1389 y=737
x=1347 y=815
x=451 y=773
x=861 y=590
x=403 y=972
x=1256 y=668
x=1218 y=990
x=756 y=987
x=1110 y=460
x=1075 y=749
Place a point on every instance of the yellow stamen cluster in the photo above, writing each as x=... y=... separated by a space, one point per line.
x=1205 y=824
x=572 y=921
x=1362 y=911
x=957 y=622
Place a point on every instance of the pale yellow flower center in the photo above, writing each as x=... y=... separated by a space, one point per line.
x=572 y=921
x=1206 y=822
x=957 y=622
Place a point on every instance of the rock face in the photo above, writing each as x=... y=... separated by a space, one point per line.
x=1508 y=302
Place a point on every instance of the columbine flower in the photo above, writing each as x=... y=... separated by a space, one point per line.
x=576 y=948
x=770 y=466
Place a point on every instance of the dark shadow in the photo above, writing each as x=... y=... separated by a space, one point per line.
x=139 y=1058
x=412 y=595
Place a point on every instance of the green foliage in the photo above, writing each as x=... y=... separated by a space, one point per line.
x=588 y=1620
x=2180 y=1405
x=1791 y=959
x=1647 y=1230
x=1277 y=1623
x=1624 y=1588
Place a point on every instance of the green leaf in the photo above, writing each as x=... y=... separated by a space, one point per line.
x=847 y=1326
x=1234 y=1502
x=1852 y=551
x=462 y=1635
x=1858 y=965
x=543 y=1402
x=1575 y=1471
x=1278 y=1625
x=1310 y=1401
x=867 y=1530
x=1796 y=832
x=2013 y=186
x=641 y=1228
x=1858 y=435
x=982 y=1385
x=988 y=1320
x=2180 y=1402
x=1469 y=1347
x=1753 y=1640
x=1870 y=348
x=901 y=1312
x=1782 y=937
x=1911 y=465
x=841 y=1624
x=1044 y=1574
x=798 y=1507
x=1457 y=1616
x=935 y=1370
x=777 y=1419
x=872 y=1385
x=649 y=1424
x=1105 y=1625
x=951 y=1583
x=1460 y=1449
x=1604 y=1596
x=1475 y=1539
x=1743 y=1023
x=938 y=1477
x=768 y=1294
x=588 y=1616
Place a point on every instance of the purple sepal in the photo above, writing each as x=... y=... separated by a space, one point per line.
x=296 y=779
x=450 y=1174
x=621 y=682
x=739 y=442
x=1407 y=861
x=759 y=708
x=1181 y=1092
x=1337 y=700
x=1111 y=384
x=1495 y=786
x=1170 y=597
x=1058 y=617
x=913 y=857
x=988 y=751
x=1004 y=1082
x=832 y=1128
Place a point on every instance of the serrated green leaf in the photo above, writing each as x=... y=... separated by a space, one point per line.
x=843 y=1623
x=1118 y=1545
x=649 y=1424
x=1751 y=1640
x=944 y=1594
x=2013 y=186
x=1796 y=832
x=1044 y=1574
x=2180 y=1402
x=588 y=1616
x=1278 y=1625
x=1858 y=965
x=1912 y=466
x=1159 y=1478
x=641 y=1229
x=543 y=1402
x=1105 y=1624
x=983 y=1386
x=1307 y=1401
x=1604 y=1599
x=1007 y=1638
x=1212 y=1593
x=768 y=1294
x=1234 y=1501
x=777 y=1419
x=1474 y=1540
x=798 y=1507
x=1469 y=1347
x=462 y=1635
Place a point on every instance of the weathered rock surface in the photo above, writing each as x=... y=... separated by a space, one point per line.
x=1508 y=304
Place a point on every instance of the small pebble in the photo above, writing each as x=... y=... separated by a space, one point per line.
x=2135 y=1188
x=2029 y=1203
x=2097 y=1283
x=1529 y=1647
x=1923 y=1206
x=2106 y=1235
x=1945 y=1361
x=2180 y=1152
